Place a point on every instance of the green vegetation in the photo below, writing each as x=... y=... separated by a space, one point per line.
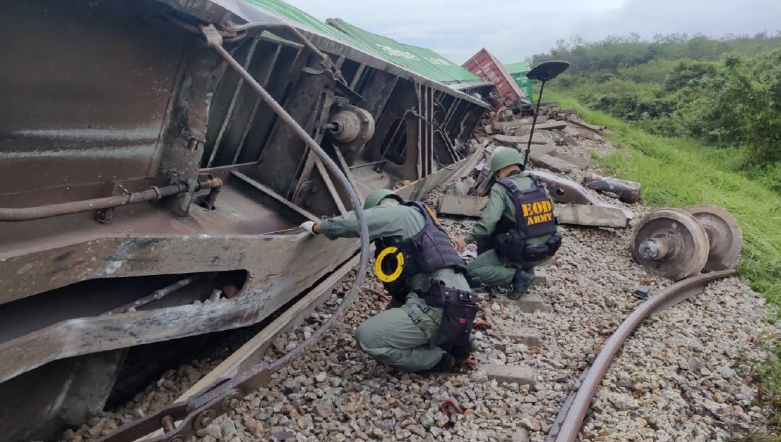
x=701 y=121
x=697 y=121
x=680 y=172
x=724 y=92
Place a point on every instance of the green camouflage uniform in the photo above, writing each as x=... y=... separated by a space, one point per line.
x=390 y=336
x=488 y=267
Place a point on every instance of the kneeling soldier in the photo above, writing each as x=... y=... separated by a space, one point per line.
x=428 y=324
x=516 y=230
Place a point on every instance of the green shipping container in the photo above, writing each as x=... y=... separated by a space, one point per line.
x=422 y=61
x=518 y=71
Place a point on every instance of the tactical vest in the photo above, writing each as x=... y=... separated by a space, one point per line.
x=533 y=209
x=425 y=252
x=533 y=218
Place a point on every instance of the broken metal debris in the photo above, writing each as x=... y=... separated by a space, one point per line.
x=677 y=244
x=576 y=205
x=641 y=292
x=264 y=130
x=566 y=191
x=589 y=215
x=626 y=191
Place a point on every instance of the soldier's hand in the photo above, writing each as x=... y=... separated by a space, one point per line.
x=460 y=244
x=310 y=227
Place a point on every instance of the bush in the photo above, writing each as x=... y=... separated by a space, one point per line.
x=734 y=102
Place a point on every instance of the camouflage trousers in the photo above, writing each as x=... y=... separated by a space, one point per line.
x=492 y=270
x=393 y=338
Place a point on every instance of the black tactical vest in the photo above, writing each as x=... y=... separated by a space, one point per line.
x=533 y=218
x=533 y=209
x=425 y=252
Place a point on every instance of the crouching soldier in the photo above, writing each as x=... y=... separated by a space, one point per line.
x=516 y=230
x=428 y=323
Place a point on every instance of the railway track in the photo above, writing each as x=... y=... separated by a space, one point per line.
x=569 y=420
x=562 y=423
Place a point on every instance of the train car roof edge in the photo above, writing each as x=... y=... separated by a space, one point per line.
x=242 y=11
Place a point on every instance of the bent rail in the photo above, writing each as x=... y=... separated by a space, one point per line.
x=566 y=427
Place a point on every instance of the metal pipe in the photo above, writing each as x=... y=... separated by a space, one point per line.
x=270 y=26
x=156 y=295
x=214 y=40
x=71 y=207
x=249 y=380
x=679 y=291
x=358 y=166
x=531 y=133
x=211 y=198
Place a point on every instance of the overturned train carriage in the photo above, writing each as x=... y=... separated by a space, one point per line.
x=136 y=161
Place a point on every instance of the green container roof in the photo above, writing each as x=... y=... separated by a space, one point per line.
x=521 y=67
x=294 y=14
x=422 y=61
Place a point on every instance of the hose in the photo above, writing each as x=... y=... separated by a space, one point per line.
x=214 y=40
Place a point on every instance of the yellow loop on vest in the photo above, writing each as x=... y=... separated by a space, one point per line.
x=381 y=275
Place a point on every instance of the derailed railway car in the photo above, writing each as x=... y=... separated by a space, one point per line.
x=142 y=173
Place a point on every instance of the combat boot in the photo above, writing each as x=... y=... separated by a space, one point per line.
x=460 y=353
x=445 y=364
x=521 y=282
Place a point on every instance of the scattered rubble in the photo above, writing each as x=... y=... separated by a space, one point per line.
x=551 y=163
x=686 y=374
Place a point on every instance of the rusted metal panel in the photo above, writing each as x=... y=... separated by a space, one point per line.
x=270 y=285
x=205 y=123
x=87 y=108
x=90 y=378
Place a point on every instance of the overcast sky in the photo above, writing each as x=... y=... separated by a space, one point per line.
x=515 y=29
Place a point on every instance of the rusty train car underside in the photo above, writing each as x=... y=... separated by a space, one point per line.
x=134 y=158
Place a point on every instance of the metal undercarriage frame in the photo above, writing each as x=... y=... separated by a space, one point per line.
x=187 y=119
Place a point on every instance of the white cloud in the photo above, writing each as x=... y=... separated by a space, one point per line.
x=513 y=29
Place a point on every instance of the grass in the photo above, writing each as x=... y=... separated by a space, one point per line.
x=680 y=173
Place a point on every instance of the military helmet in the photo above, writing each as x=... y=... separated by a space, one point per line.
x=374 y=198
x=505 y=157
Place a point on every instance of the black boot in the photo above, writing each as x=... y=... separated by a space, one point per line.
x=521 y=282
x=444 y=364
x=464 y=352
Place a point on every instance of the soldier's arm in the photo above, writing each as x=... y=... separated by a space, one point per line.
x=382 y=221
x=489 y=217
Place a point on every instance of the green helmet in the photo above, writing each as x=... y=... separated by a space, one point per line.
x=374 y=198
x=505 y=157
